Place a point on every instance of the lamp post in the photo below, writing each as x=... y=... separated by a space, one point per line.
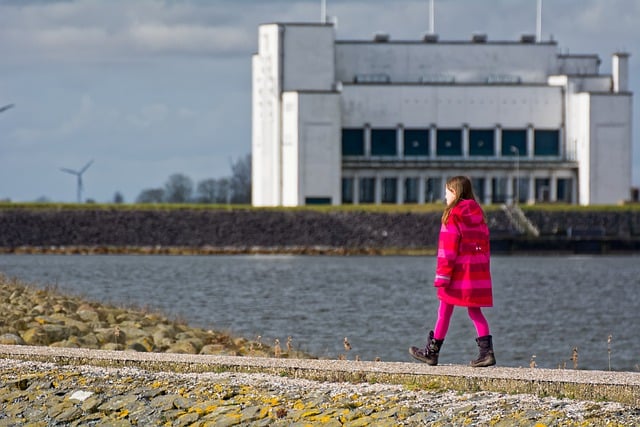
x=516 y=151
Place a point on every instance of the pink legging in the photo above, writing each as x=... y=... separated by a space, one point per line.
x=444 y=317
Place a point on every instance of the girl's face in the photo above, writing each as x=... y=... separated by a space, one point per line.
x=449 y=195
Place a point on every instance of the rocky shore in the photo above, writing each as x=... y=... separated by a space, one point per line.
x=45 y=317
x=54 y=393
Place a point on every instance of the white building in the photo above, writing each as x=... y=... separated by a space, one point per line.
x=384 y=121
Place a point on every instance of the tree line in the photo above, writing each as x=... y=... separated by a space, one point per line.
x=179 y=188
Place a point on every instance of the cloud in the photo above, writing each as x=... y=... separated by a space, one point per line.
x=73 y=124
x=101 y=31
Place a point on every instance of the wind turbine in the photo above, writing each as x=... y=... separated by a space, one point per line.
x=79 y=175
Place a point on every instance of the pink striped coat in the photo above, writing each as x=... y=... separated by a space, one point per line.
x=463 y=275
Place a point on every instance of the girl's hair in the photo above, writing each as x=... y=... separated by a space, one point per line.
x=461 y=187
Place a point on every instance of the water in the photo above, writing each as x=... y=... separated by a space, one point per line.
x=544 y=306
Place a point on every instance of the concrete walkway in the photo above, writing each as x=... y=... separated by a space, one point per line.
x=623 y=387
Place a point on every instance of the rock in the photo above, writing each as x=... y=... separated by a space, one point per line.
x=11 y=339
x=35 y=336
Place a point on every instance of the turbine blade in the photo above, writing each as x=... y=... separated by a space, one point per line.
x=86 y=167
x=72 y=172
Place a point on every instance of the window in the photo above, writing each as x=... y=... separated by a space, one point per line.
x=542 y=189
x=347 y=190
x=449 y=142
x=520 y=189
x=546 y=143
x=478 y=188
x=367 y=190
x=514 y=142
x=416 y=142
x=389 y=190
x=564 y=193
x=481 y=142
x=317 y=201
x=499 y=190
x=353 y=142
x=411 y=190
x=434 y=190
x=383 y=142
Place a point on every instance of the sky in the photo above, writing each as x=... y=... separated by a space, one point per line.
x=149 y=88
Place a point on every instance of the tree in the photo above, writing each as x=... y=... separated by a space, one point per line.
x=214 y=191
x=224 y=190
x=178 y=189
x=151 y=195
x=241 y=180
x=118 y=198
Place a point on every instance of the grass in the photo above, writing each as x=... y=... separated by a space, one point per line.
x=383 y=208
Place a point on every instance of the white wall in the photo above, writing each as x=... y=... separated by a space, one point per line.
x=311 y=156
x=610 y=173
x=451 y=106
x=265 y=139
x=465 y=62
x=308 y=59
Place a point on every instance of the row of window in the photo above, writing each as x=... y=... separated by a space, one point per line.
x=434 y=190
x=449 y=142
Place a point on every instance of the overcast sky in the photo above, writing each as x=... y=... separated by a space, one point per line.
x=149 y=88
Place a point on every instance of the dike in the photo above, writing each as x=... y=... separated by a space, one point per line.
x=340 y=232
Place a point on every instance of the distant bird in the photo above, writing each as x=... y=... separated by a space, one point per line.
x=79 y=175
x=6 y=107
x=347 y=344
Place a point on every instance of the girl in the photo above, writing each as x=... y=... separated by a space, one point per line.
x=463 y=276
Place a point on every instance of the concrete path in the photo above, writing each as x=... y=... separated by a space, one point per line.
x=623 y=387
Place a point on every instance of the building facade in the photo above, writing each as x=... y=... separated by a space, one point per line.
x=384 y=121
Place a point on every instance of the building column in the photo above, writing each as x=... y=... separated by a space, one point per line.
x=400 y=189
x=488 y=196
x=422 y=188
x=367 y=140
x=400 y=140
x=497 y=140
x=377 y=199
x=356 y=189
x=553 y=187
x=530 y=141
x=433 y=138
x=465 y=141
x=532 y=189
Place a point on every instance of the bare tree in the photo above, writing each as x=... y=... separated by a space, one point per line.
x=224 y=190
x=178 y=189
x=241 y=180
x=207 y=191
x=151 y=195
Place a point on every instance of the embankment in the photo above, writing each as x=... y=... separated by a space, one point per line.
x=211 y=231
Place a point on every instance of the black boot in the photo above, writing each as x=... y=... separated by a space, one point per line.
x=486 y=356
x=429 y=354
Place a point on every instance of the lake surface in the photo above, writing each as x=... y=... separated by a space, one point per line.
x=544 y=305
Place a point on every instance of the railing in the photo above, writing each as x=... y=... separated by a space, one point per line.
x=520 y=220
